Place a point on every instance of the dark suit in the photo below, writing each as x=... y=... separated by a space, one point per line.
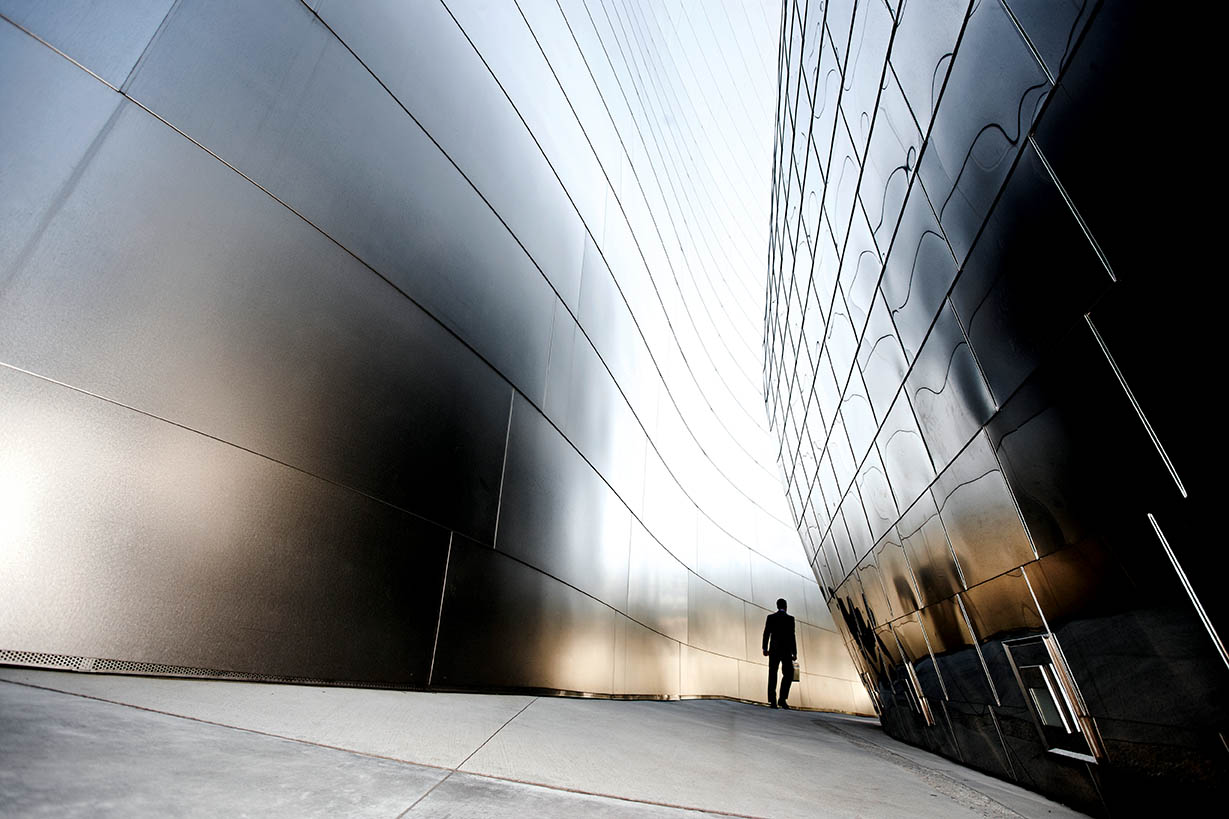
x=782 y=648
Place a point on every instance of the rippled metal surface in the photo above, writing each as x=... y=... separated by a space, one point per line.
x=413 y=344
x=984 y=386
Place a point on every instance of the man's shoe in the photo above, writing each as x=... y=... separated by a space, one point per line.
x=772 y=705
x=785 y=706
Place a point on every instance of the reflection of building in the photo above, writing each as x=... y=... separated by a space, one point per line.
x=976 y=342
x=395 y=343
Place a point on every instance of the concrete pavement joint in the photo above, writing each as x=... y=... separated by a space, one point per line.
x=953 y=789
x=367 y=754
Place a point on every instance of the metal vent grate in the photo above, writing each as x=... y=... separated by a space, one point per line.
x=36 y=659
x=40 y=660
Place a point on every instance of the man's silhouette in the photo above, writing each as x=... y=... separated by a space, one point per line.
x=781 y=648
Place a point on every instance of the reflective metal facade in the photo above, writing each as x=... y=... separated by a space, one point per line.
x=982 y=360
x=397 y=343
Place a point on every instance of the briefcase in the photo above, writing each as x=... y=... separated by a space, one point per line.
x=797 y=672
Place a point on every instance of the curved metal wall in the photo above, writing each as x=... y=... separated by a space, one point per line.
x=982 y=355
x=399 y=343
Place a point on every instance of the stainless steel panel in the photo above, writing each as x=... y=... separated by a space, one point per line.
x=601 y=425
x=706 y=674
x=872 y=29
x=668 y=513
x=722 y=560
x=929 y=552
x=1019 y=294
x=272 y=92
x=980 y=516
x=105 y=36
x=876 y=496
x=873 y=595
x=1053 y=28
x=993 y=93
x=656 y=586
x=276 y=341
x=891 y=162
x=505 y=624
x=860 y=539
x=857 y=416
x=646 y=663
x=130 y=538
x=770 y=582
x=921 y=53
x=55 y=118
x=946 y=389
x=918 y=271
x=557 y=514
x=881 y=359
x=1003 y=606
x=714 y=619
x=822 y=652
x=896 y=574
x=905 y=459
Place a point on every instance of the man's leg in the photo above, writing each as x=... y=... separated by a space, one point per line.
x=772 y=681
x=787 y=678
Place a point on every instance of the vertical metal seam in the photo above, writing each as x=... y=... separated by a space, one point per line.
x=1190 y=591
x=439 y=619
x=503 y=472
x=1139 y=411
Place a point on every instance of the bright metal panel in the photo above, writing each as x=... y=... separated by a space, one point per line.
x=132 y=539
x=272 y=92
x=105 y=36
x=560 y=638
x=278 y=341
x=557 y=515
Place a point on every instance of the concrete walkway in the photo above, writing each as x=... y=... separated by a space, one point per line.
x=78 y=744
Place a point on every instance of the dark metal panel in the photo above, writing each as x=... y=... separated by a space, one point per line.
x=54 y=118
x=272 y=92
x=1031 y=276
x=557 y=514
x=946 y=389
x=657 y=586
x=105 y=36
x=980 y=516
x=275 y=340
x=1003 y=606
x=505 y=624
x=139 y=540
x=993 y=93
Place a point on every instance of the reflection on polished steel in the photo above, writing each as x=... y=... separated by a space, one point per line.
x=409 y=344
x=974 y=359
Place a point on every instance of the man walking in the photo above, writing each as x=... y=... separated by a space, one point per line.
x=781 y=648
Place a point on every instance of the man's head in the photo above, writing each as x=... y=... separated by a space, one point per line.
x=780 y=604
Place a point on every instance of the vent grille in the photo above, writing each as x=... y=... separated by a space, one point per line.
x=36 y=659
